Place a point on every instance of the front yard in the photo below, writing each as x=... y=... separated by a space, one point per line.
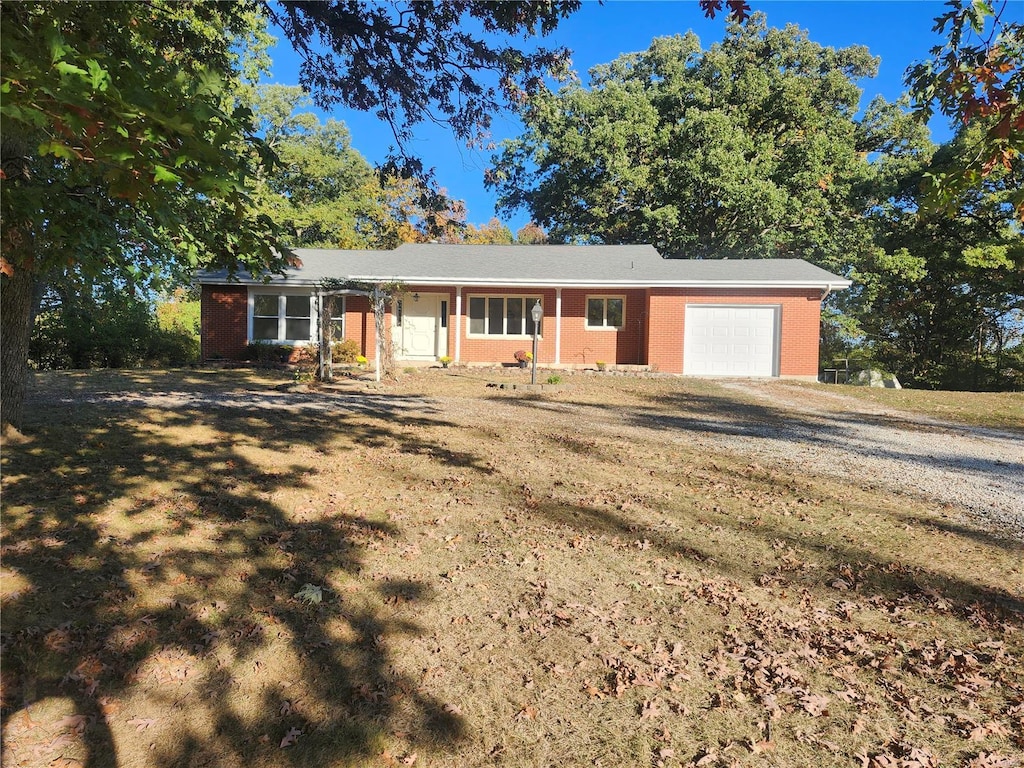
x=209 y=568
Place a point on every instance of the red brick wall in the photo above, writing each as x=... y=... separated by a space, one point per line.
x=800 y=319
x=501 y=349
x=223 y=321
x=654 y=314
x=582 y=345
x=359 y=326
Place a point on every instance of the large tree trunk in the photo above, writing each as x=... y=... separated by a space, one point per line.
x=17 y=283
x=16 y=296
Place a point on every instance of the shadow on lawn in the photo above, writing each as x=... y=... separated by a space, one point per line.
x=731 y=416
x=685 y=413
x=226 y=560
x=715 y=414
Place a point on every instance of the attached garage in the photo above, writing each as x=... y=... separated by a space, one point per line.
x=731 y=340
x=624 y=305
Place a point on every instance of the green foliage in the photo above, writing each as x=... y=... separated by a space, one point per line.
x=976 y=75
x=345 y=352
x=749 y=148
x=104 y=324
x=179 y=311
x=939 y=301
x=96 y=94
x=322 y=193
x=554 y=379
x=417 y=62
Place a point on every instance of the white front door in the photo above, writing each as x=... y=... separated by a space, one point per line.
x=418 y=326
x=739 y=340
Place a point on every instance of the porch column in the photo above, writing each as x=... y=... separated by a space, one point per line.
x=558 y=326
x=458 y=323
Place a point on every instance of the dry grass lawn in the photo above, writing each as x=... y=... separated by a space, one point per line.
x=438 y=573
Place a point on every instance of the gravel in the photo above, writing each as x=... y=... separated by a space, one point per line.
x=979 y=470
x=975 y=471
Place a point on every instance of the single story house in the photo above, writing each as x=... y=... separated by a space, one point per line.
x=620 y=304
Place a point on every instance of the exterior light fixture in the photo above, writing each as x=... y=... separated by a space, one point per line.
x=536 y=313
x=415 y=297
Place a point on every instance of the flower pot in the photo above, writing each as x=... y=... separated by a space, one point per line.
x=522 y=363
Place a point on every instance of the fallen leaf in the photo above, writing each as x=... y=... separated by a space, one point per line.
x=142 y=723
x=993 y=728
x=527 y=713
x=291 y=737
x=74 y=722
x=814 y=704
x=993 y=760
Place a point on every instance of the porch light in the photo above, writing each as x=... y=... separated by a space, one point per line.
x=536 y=313
x=415 y=297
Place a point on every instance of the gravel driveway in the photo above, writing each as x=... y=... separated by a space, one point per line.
x=971 y=470
x=978 y=470
x=974 y=470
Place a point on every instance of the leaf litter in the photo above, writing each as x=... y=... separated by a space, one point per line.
x=641 y=603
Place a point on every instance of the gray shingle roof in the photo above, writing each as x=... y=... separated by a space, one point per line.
x=625 y=266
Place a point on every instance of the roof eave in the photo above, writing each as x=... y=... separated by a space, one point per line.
x=822 y=285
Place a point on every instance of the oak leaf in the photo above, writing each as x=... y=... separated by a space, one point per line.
x=291 y=737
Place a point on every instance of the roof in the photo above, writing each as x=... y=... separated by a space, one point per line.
x=541 y=266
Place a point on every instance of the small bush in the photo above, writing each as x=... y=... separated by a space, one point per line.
x=346 y=351
x=263 y=353
x=554 y=379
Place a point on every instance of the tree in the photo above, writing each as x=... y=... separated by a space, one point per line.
x=123 y=142
x=321 y=192
x=407 y=62
x=491 y=233
x=749 y=148
x=976 y=73
x=104 y=168
x=531 y=234
x=941 y=300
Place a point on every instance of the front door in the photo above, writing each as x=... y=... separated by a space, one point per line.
x=418 y=327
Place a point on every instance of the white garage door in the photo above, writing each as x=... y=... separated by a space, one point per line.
x=731 y=341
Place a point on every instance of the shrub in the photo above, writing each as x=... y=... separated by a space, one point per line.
x=346 y=351
x=554 y=379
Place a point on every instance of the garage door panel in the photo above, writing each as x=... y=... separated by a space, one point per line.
x=731 y=341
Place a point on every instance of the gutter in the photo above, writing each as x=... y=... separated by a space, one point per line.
x=498 y=282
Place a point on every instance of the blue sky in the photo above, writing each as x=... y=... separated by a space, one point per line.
x=898 y=31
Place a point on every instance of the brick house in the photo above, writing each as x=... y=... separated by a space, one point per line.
x=622 y=304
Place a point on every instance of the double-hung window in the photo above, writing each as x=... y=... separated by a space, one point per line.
x=281 y=317
x=502 y=315
x=605 y=312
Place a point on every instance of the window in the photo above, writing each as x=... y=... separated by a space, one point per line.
x=605 y=311
x=277 y=317
x=502 y=315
